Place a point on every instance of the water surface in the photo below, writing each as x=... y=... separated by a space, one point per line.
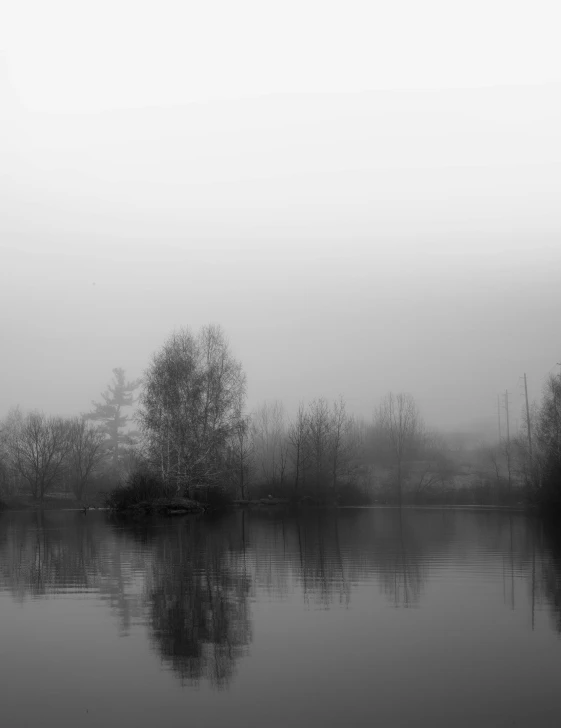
x=357 y=617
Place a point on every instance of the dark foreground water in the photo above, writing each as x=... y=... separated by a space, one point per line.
x=261 y=619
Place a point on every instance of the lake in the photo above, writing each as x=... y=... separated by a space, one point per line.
x=264 y=618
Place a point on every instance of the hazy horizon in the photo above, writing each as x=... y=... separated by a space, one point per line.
x=355 y=279
x=380 y=218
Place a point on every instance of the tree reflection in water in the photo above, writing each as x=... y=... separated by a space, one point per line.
x=403 y=572
x=319 y=564
x=329 y=552
x=198 y=604
x=191 y=580
x=42 y=552
x=547 y=577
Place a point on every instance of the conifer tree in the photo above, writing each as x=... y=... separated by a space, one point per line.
x=118 y=396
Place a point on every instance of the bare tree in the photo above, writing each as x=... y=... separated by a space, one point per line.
x=298 y=435
x=339 y=442
x=435 y=465
x=9 y=475
x=400 y=422
x=86 y=453
x=524 y=463
x=270 y=442
x=319 y=439
x=493 y=455
x=243 y=454
x=548 y=457
x=191 y=402
x=284 y=449
x=40 y=448
x=506 y=446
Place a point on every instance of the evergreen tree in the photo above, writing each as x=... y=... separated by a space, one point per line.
x=118 y=396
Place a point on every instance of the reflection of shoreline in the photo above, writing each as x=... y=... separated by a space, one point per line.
x=546 y=581
x=327 y=555
x=191 y=580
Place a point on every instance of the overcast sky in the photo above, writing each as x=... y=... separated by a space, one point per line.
x=365 y=198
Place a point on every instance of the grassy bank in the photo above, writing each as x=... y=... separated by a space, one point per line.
x=145 y=493
x=57 y=501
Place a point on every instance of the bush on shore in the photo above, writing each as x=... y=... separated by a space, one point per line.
x=211 y=496
x=144 y=488
x=141 y=487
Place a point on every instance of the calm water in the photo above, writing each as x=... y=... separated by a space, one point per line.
x=360 y=617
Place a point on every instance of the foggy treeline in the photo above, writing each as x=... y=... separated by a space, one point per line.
x=41 y=454
x=192 y=435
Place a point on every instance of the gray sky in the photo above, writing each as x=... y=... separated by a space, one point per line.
x=364 y=201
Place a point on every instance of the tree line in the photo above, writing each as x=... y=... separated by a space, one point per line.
x=39 y=452
x=535 y=457
x=193 y=433
x=42 y=453
x=196 y=433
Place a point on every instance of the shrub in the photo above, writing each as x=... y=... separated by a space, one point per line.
x=140 y=486
x=214 y=496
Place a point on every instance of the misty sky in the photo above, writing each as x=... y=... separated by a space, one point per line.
x=366 y=200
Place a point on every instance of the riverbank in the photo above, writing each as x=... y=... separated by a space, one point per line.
x=161 y=506
x=146 y=501
x=57 y=502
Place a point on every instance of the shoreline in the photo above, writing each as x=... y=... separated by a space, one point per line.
x=185 y=506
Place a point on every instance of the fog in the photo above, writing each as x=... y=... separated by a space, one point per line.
x=353 y=232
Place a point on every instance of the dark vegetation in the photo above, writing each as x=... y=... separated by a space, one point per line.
x=196 y=448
